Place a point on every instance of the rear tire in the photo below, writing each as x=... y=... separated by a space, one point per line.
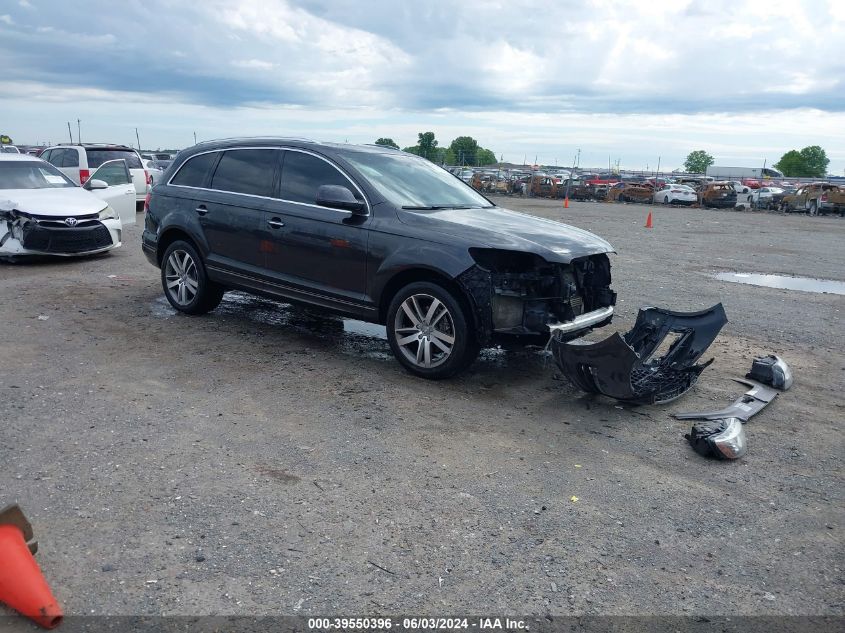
x=185 y=282
x=430 y=332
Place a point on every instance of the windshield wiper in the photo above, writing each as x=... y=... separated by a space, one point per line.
x=442 y=206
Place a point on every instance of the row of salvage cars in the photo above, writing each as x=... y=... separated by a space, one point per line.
x=813 y=198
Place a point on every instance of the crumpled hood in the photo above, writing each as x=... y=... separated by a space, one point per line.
x=61 y=202
x=505 y=229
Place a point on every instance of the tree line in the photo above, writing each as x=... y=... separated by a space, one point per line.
x=810 y=162
x=463 y=150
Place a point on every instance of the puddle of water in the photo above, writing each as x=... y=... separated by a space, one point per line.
x=356 y=337
x=351 y=336
x=805 y=284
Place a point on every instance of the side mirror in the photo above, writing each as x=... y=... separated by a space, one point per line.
x=339 y=197
x=96 y=184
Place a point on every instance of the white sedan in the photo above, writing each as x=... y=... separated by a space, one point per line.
x=43 y=212
x=764 y=197
x=675 y=194
x=154 y=172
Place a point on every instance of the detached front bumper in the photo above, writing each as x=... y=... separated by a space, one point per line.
x=653 y=363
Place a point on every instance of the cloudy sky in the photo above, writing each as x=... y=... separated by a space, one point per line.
x=630 y=81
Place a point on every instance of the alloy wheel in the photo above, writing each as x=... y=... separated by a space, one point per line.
x=182 y=277
x=424 y=331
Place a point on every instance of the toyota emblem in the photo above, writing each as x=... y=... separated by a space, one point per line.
x=71 y=221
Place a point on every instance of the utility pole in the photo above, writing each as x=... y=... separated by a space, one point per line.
x=569 y=180
x=658 y=166
x=69 y=133
x=78 y=131
x=195 y=138
x=138 y=138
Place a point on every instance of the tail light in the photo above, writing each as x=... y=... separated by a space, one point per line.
x=147 y=202
x=84 y=175
x=147 y=177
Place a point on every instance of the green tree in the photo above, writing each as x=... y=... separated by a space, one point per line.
x=465 y=150
x=815 y=161
x=698 y=161
x=791 y=163
x=387 y=142
x=427 y=145
x=810 y=162
x=486 y=156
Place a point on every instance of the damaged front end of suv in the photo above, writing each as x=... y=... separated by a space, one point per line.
x=522 y=294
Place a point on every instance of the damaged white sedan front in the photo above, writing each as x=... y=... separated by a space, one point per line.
x=42 y=212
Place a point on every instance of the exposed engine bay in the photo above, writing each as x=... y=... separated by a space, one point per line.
x=522 y=294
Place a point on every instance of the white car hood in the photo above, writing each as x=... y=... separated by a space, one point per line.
x=60 y=202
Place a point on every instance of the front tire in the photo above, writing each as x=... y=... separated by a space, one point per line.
x=185 y=282
x=430 y=332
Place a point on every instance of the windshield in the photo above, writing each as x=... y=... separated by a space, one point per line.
x=411 y=182
x=31 y=175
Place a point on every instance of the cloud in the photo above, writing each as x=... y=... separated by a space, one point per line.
x=510 y=65
x=255 y=64
x=723 y=55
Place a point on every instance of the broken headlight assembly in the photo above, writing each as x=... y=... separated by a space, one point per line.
x=722 y=439
x=771 y=370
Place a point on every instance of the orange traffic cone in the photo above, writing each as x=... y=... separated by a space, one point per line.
x=22 y=587
x=566 y=203
x=648 y=223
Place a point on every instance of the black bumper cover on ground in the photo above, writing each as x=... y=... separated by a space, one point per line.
x=625 y=366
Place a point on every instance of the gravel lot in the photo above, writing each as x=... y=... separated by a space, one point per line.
x=265 y=459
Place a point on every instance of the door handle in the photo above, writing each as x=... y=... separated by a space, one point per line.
x=276 y=223
x=201 y=209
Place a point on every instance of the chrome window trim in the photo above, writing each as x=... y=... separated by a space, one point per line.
x=251 y=195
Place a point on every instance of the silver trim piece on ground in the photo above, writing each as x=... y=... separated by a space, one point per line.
x=582 y=321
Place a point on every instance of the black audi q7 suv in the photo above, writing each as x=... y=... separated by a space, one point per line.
x=376 y=234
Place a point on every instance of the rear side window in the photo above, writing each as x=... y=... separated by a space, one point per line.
x=56 y=156
x=70 y=158
x=247 y=171
x=303 y=174
x=97 y=157
x=113 y=173
x=193 y=172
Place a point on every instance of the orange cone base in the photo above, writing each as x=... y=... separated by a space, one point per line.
x=648 y=223
x=22 y=587
x=566 y=203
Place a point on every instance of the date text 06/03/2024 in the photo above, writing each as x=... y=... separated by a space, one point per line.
x=416 y=623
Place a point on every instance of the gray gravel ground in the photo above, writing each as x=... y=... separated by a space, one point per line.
x=264 y=459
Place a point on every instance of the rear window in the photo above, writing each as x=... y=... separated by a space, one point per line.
x=247 y=171
x=194 y=171
x=97 y=157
